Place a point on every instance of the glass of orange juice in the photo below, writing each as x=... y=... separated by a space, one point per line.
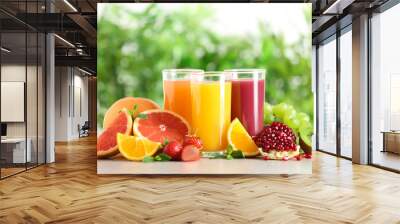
x=176 y=86
x=211 y=109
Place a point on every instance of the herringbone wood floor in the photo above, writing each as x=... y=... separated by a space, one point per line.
x=69 y=191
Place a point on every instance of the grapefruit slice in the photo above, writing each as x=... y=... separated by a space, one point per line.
x=136 y=148
x=107 y=141
x=161 y=125
x=143 y=104
x=240 y=139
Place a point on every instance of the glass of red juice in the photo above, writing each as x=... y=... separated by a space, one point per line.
x=248 y=90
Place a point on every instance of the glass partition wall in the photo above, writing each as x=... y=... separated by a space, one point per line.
x=385 y=89
x=22 y=77
x=327 y=96
x=334 y=101
x=345 y=61
x=334 y=104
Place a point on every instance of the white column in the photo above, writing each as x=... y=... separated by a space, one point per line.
x=50 y=109
x=360 y=90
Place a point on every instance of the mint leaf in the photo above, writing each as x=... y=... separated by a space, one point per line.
x=229 y=150
x=135 y=107
x=229 y=157
x=142 y=116
x=165 y=142
x=220 y=156
x=213 y=155
x=162 y=157
x=237 y=154
x=133 y=111
x=148 y=159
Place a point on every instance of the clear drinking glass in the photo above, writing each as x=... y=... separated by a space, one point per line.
x=248 y=90
x=211 y=109
x=176 y=87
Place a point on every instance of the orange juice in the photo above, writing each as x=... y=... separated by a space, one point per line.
x=177 y=98
x=176 y=85
x=211 y=112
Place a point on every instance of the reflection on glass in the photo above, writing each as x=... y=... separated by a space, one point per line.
x=31 y=98
x=386 y=89
x=13 y=84
x=346 y=94
x=41 y=99
x=327 y=96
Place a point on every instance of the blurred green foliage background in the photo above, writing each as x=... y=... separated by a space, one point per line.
x=135 y=46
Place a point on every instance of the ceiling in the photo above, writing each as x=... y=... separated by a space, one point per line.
x=329 y=16
x=75 y=23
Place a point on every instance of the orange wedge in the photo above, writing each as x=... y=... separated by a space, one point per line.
x=136 y=148
x=241 y=140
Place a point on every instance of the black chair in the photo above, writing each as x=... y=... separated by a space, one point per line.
x=84 y=130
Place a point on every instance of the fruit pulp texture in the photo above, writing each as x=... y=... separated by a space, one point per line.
x=177 y=98
x=211 y=113
x=248 y=103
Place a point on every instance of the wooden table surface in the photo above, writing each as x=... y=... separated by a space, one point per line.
x=206 y=166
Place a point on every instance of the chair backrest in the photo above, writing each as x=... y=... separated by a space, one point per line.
x=86 y=125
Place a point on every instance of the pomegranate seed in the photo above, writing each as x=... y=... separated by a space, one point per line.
x=285 y=158
x=276 y=136
x=265 y=158
x=308 y=156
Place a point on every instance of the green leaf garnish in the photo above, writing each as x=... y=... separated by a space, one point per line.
x=232 y=153
x=213 y=155
x=162 y=157
x=229 y=150
x=142 y=116
x=148 y=159
x=238 y=154
x=133 y=111
x=165 y=142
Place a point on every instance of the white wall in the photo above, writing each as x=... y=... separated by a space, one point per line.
x=70 y=83
x=33 y=127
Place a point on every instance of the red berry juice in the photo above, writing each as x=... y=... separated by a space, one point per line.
x=248 y=103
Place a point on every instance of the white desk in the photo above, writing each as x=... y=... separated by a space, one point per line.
x=19 y=149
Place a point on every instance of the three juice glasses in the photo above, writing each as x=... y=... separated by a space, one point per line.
x=248 y=90
x=210 y=100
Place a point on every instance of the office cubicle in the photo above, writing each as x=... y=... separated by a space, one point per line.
x=22 y=95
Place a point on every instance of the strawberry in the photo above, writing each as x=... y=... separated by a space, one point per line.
x=190 y=153
x=308 y=155
x=174 y=150
x=193 y=140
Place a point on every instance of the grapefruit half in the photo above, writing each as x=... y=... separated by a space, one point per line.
x=107 y=145
x=161 y=125
x=143 y=104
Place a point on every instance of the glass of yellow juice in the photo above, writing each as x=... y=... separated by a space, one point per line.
x=176 y=87
x=211 y=109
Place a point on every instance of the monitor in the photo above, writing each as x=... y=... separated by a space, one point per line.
x=3 y=129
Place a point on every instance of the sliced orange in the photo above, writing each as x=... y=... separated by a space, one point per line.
x=240 y=139
x=136 y=148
